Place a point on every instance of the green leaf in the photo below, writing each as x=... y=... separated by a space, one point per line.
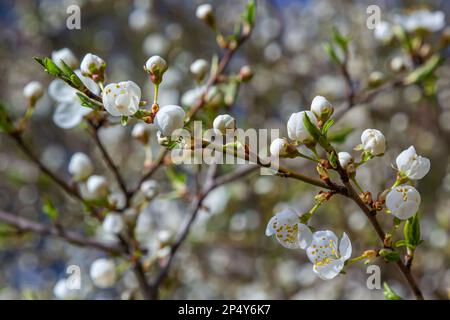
x=327 y=126
x=332 y=158
x=50 y=210
x=51 y=67
x=424 y=71
x=249 y=13
x=315 y=133
x=401 y=243
x=390 y=255
x=411 y=231
x=390 y=294
x=124 y=120
x=339 y=136
x=340 y=40
x=88 y=102
x=331 y=52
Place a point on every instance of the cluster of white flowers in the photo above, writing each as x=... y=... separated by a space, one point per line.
x=322 y=247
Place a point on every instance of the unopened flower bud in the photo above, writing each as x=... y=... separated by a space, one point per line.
x=224 y=124
x=373 y=141
x=149 y=188
x=345 y=159
x=199 y=68
x=65 y=55
x=113 y=223
x=97 y=187
x=246 y=73
x=169 y=118
x=205 y=13
x=398 y=64
x=156 y=66
x=278 y=147
x=103 y=273
x=321 y=108
x=33 y=91
x=297 y=130
x=80 y=166
x=93 y=66
x=376 y=78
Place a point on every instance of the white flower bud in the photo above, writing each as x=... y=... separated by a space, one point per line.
x=345 y=159
x=149 y=188
x=383 y=31
x=156 y=66
x=410 y=164
x=398 y=64
x=67 y=56
x=278 y=147
x=403 y=201
x=296 y=129
x=62 y=291
x=373 y=142
x=204 y=12
x=97 y=187
x=103 y=273
x=121 y=99
x=93 y=66
x=199 y=68
x=80 y=166
x=321 y=108
x=224 y=124
x=113 y=223
x=169 y=118
x=141 y=132
x=33 y=91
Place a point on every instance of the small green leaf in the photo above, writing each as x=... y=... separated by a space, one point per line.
x=88 y=102
x=390 y=294
x=424 y=71
x=249 y=13
x=331 y=52
x=411 y=231
x=390 y=255
x=49 y=209
x=51 y=67
x=315 y=133
x=340 y=40
x=400 y=243
x=327 y=126
x=332 y=158
x=124 y=120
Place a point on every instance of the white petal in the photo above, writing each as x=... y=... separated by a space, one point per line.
x=304 y=236
x=270 y=228
x=69 y=115
x=60 y=91
x=345 y=247
x=329 y=271
x=88 y=82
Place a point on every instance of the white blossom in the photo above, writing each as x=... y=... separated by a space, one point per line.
x=422 y=20
x=156 y=66
x=113 y=223
x=321 y=108
x=383 y=31
x=67 y=56
x=103 y=273
x=296 y=129
x=288 y=230
x=121 y=99
x=403 y=201
x=224 y=124
x=62 y=291
x=92 y=65
x=328 y=258
x=33 y=90
x=149 y=188
x=345 y=159
x=413 y=166
x=278 y=147
x=373 y=141
x=204 y=11
x=169 y=118
x=97 y=187
x=69 y=111
x=199 y=68
x=80 y=166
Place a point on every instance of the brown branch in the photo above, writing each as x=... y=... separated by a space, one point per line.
x=27 y=225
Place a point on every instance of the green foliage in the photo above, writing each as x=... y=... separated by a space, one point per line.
x=411 y=232
x=390 y=255
x=49 y=209
x=315 y=133
x=425 y=71
x=390 y=294
x=339 y=136
x=6 y=124
x=88 y=102
x=249 y=14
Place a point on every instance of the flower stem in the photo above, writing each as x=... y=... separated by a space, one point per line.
x=156 y=90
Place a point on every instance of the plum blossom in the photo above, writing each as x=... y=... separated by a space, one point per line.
x=288 y=230
x=69 y=111
x=204 y=12
x=92 y=66
x=328 y=258
x=422 y=20
x=373 y=141
x=321 y=108
x=278 y=147
x=103 y=273
x=345 y=159
x=65 y=55
x=121 y=99
x=149 y=188
x=223 y=124
x=62 y=291
x=33 y=90
x=296 y=129
x=97 y=187
x=156 y=67
x=383 y=31
x=403 y=201
x=169 y=118
x=411 y=165
x=80 y=166
x=113 y=223
x=199 y=68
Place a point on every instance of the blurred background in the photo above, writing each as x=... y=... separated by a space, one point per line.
x=227 y=255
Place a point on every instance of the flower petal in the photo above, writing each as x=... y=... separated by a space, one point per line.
x=69 y=115
x=59 y=91
x=330 y=270
x=345 y=247
x=305 y=236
